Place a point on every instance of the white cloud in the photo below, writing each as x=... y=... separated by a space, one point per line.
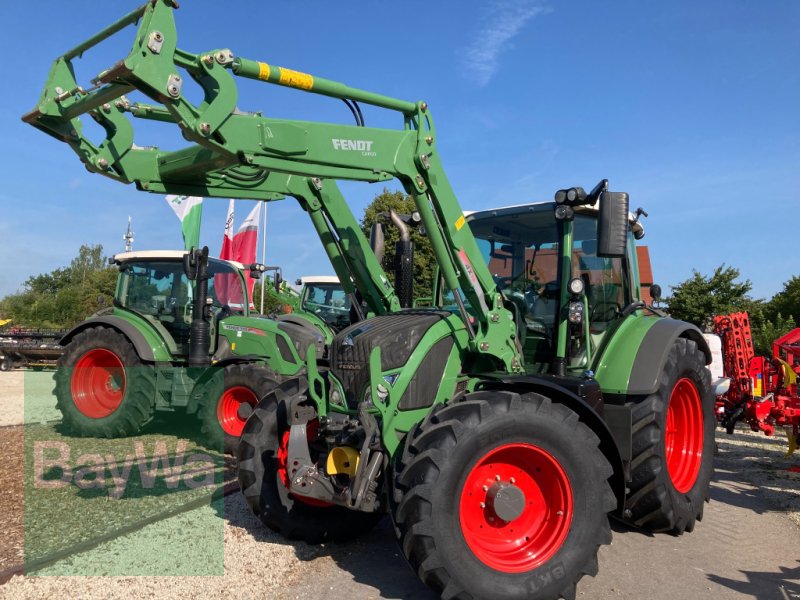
x=504 y=20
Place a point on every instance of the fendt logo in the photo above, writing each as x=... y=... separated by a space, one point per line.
x=363 y=146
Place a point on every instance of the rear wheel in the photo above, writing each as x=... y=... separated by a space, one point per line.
x=227 y=401
x=502 y=496
x=264 y=479
x=6 y=364
x=673 y=445
x=103 y=389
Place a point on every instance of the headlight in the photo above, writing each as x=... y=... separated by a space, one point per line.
x=563 y=212
x=576 y=286
x=575 y=314
x=336 y=397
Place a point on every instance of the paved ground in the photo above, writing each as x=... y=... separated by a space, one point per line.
x=740 y=550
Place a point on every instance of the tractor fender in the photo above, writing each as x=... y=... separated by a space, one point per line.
x=150 y=347
x=654 y=349
x=633 y=356
x=589 y=415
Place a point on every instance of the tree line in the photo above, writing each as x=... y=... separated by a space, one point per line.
x=701 y=297
x=67 y=295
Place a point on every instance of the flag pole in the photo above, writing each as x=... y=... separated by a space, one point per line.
x=263 y=251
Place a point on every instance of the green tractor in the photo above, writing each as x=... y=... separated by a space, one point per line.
x=324 y=296
x=499 y=435
x=179 y=338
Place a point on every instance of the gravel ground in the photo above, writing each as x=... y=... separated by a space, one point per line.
x=11 y=397
x=11 y=492
x=749 y=457
x=259 y=564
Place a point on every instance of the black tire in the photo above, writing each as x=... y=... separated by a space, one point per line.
x=138 y=391
x=6 y=364
x=264 y=489
x=655 y=502
x=241 y=382
x=434 y=474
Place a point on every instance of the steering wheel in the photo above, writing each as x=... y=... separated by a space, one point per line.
x=503 y=282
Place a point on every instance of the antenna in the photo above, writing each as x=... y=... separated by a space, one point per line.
x=128 y=237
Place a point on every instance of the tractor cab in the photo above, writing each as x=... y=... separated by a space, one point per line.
x=325 y=297
x=531 y=253
x=154 y=286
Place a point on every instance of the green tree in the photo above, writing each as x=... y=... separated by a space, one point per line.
x=424 y=259
x=786 y=302
x=66 y=295
x=765 y=329
x=273 y=303
x=701 y=297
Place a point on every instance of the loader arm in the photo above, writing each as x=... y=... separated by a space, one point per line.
x=231 y=153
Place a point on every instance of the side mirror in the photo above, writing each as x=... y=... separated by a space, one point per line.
x=655 y=292
x=278 y=281
x=195 y=263
x=612 y=227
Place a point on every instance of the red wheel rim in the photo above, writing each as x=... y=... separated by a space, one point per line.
x=526 y=540
x=683 y=439
x=228 y=408
x=285 y=470
x=98 y=383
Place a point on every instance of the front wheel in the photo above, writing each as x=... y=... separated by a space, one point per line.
x=502 y=496
x=264 y=476
x=228 y=399
x=673 y=445
x=6 y=364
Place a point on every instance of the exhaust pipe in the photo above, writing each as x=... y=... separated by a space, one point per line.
x=195 y=265
x=376 y=240
x=403 y=263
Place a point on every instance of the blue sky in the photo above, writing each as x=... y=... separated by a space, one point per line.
x=691 y=107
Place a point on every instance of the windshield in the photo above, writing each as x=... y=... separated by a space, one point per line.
x=329 y=302
x=521 y=248
x=160 y=291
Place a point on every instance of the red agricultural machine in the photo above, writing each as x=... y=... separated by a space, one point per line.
x=763 y=389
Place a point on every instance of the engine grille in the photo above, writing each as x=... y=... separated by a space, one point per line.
x=396 y=334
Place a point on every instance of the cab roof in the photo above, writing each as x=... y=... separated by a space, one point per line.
x=166 y=255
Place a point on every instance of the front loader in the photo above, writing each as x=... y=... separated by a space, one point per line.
x=499 y=434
